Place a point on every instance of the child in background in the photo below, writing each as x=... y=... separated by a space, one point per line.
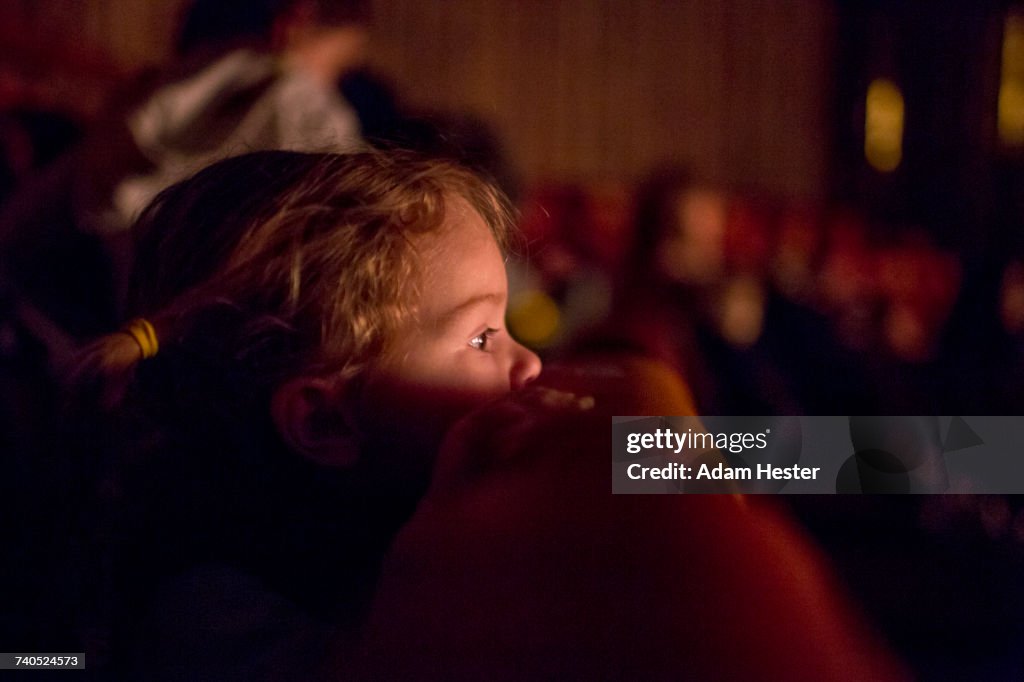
x=309 y=327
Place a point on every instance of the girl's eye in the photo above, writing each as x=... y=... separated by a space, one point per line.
x=482 y=341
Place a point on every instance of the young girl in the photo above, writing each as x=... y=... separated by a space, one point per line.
x=309 y=326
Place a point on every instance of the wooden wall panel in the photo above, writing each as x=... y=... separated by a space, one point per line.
x=595 y=89
x=581 y=89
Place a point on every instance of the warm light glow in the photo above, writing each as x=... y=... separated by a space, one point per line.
x=883 y=125
x=1011 y=89
x=534 y=318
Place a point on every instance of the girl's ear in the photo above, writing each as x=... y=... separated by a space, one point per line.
x=314 y=419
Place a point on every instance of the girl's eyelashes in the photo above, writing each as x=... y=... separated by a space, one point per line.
x=482 y=341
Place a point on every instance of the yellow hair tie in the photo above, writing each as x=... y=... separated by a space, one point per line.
x=145 y=336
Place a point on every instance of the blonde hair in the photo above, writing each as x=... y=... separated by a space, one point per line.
x=276 y=264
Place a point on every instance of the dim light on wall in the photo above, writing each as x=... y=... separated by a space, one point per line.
x=883 y=125
x=1011 y=87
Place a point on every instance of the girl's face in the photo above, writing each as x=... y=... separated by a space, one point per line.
x=456 y=354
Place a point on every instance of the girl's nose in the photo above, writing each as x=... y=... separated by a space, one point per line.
x=525 y=367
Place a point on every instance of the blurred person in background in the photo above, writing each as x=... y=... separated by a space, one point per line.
x=685 y=299
x=266 y=80
x=247 y=76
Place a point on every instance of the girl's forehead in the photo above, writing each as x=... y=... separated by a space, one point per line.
x=459 y=260
x=462 y=230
